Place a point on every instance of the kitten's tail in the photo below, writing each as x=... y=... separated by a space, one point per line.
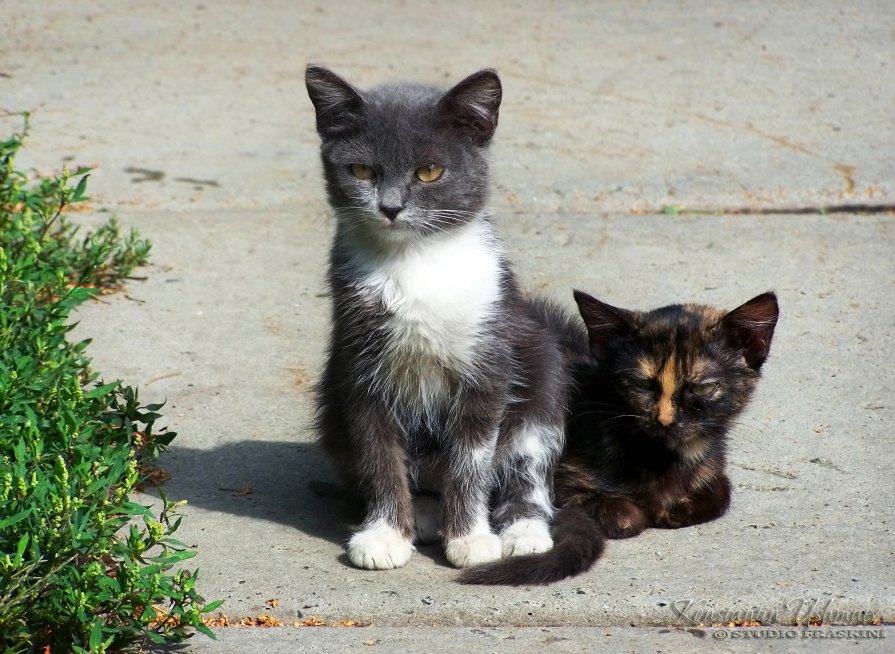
x=577 y=543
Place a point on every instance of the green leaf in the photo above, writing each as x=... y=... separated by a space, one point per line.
x=103 y=390
x=20 y=549
x=96 y=635
x=156 y=638
x=203 y=629
x=134 y=509
x=173 y=557
x=18 y=517
x=78 y=195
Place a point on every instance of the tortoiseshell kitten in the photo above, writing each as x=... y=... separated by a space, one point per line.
x=656 y=394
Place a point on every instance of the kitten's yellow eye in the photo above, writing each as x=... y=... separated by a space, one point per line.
x=363 y=172
x=429 y=173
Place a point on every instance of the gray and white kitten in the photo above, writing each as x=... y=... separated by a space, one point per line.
x=440 y=376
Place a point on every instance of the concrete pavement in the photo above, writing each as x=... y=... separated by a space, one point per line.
x=196 y=119
x=551 y=640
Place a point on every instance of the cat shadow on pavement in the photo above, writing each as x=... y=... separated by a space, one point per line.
x=285 y=482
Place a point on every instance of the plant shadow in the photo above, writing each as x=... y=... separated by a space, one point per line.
x=289 y=483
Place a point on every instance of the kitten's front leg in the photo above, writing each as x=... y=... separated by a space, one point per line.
x=708 y=503
x=467 y=485
x=385 y=539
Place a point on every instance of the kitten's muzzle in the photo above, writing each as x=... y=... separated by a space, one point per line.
x=672 y=433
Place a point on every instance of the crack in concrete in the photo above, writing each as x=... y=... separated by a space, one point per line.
x=847 y=208
x=677 y=210
x=752 y=129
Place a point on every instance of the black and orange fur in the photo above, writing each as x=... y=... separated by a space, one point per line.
x=656 y=395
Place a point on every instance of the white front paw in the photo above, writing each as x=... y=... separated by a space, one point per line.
x=379 y=547
x=527 y=536
x=426 y=516
x=472 y=550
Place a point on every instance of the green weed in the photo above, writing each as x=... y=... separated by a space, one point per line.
x=82 y=567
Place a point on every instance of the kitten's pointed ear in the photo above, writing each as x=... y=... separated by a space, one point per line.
x=337 y=103
x=750 y=327
x=472 y=106
x=602 y=320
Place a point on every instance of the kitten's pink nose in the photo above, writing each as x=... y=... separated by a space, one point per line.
x=390 y=212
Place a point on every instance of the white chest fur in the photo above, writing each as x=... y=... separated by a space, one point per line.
x=438 y=294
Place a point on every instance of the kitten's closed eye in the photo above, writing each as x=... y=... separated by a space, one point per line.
x=428 y=173
x=362 y=171
x=704 y=389
x=644 y=384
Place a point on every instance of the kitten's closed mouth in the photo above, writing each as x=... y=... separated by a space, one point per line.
x=391 y=224
x=673 y=438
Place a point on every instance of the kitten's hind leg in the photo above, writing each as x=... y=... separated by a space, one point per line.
x=426 y=518
x=708 y=503
x=526 y=536
x=618 y=517
x=524 y=500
